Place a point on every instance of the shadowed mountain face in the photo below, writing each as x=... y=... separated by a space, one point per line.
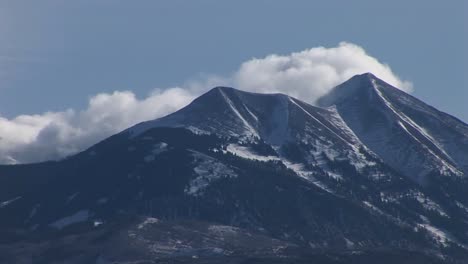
x=237 y=175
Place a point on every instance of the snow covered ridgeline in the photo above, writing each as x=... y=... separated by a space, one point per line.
x=266 y=162
x=277 y=119
x=407 y=134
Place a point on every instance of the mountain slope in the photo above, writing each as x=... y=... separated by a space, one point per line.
x=275 y=118
x=299 y=179
x=408 y=134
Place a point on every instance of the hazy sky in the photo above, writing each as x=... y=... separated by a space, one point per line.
x=57 y=54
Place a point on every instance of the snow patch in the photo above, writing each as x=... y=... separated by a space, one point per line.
x=429 y=204
x=78 y=217
x=148 y=221
x=349 y=243
x=423 y=200
x=247 y=126
x=373 y=207
x=6 y=203
x=439 y=235
x=460 y=205
x=307 y=175
x=208 y=170
x=445 y=167
x=328 y=148
x=222 y=229
x=298 y=168
x=250 y=113
x=246 y=153
x=158 y=148
x=198 y=131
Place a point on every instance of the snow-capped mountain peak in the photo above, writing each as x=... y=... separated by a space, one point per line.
x=405 y=132
x=362 y=112
x=274 y=118
x=357 y=86
x=238 y=173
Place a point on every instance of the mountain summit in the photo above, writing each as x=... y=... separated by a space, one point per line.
x=237 y=176
x=406 y=133
x=273 y=118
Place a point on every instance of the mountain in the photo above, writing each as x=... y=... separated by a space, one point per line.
x=424 y=140
x=373 y=174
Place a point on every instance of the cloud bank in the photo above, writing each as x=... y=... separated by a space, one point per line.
x=306 y=75
x=54 y=135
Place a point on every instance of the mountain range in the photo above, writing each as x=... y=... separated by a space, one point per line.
x=368 y=175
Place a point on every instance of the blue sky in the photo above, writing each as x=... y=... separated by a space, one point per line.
x=56 y=55
x=62 y=52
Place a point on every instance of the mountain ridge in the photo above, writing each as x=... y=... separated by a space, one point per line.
x=294 y=177
x=385 y=102
x=367 y=86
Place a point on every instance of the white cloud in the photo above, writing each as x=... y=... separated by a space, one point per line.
x=306 y=75
x=311 y=73
x=32 y=138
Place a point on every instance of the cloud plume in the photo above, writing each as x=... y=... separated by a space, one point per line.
x=311 y=73
x=306 y=75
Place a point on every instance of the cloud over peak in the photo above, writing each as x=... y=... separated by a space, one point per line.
x=311 y=73
x=307 y=75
